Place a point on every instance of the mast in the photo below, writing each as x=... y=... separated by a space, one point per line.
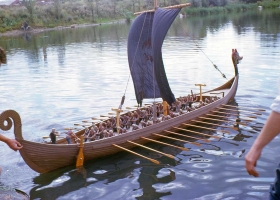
x=154 y=103
x=155 y=4
x=168 y=7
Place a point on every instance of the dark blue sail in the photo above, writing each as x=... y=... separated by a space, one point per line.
x=144 y=54
x=162 y=21
x=140 y=58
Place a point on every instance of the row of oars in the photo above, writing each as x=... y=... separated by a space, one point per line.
x=236 y=121
x=224 y=111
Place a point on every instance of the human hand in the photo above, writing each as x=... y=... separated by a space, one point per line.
x=251 y=161
x=13 y=144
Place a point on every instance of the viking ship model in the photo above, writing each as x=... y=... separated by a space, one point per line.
x=147 y=70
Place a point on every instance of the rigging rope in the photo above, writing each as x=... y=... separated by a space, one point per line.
x=215 y=66
x=122 y=101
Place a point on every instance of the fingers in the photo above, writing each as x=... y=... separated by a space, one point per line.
x=252 y=171
x=250 y=167
x=15 y=145
x=19 y=146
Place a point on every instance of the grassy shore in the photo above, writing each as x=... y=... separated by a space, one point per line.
x=71 y=13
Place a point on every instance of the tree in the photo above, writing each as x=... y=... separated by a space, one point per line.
x=97 y=7
x=90 y=5
x=30 y=6
x=250 y=1
x=57 y=8
x=114 y=7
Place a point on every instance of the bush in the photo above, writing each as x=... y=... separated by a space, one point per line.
x=78 y=11
x=196 y=3
x=205 y=3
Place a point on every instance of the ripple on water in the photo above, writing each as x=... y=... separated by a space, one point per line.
x=165 y=172
x=228 y=194
x=251 y=179
x=100 y=172
x=169 y=186
x=202 y=165
x=57 y=182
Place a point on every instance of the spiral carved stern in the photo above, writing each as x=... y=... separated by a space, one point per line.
x=7 y=118
x=39 y=157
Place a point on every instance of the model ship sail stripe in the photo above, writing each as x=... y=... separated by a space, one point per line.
x=162 y=21
x=140 y=58
x=145 y=41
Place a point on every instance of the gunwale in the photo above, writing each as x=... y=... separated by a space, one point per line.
x=43 y=157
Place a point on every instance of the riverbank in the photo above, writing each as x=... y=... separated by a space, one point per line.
x=32 y=31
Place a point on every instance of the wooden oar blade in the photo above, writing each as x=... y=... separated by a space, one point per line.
x=188 y=136
x=182 y=148
x=80 y=157
x=203 y=122
x=99 y=119
x=187 y=130
x=165 y=154
x=81 y=124
x=105 y=116
x=70 y=128
x=254 y=117
x=239 y=118
x=224 y=131
x=194 y=143
x=150 y=159
x=262 y=110
x=46 y=137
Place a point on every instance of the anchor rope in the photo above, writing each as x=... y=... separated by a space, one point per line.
x=215 y=66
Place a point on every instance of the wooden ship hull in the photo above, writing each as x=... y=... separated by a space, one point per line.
x=47 y=157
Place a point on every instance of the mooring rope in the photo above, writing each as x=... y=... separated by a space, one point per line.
x=215 y=66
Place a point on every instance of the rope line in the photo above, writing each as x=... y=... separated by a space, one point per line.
x=215 y=66
x=135 y=53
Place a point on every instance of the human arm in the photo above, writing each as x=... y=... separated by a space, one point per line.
x=12 y=143
x=269 y=131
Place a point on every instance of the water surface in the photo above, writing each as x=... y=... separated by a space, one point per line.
x=59 y=78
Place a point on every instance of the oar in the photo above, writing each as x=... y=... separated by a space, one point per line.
x=46 y=137
x=212 y=129
x=150 y=159
x=131 y=108
x=247 y=120
x=194 y=143
x=70 y=128
x=82 y=124
x=240 y=111
x=262 y=110
x=171 y=132
x=221 y=120
x=105 y=116
x=234 y=128
x=92 y=121
x=165 y=154
x=171 y=145
x=231 y=114
x=80 y=157
x=213 y=136
x=85 y=121
x=95 y=118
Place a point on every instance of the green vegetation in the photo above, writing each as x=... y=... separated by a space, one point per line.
x=64 y=13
